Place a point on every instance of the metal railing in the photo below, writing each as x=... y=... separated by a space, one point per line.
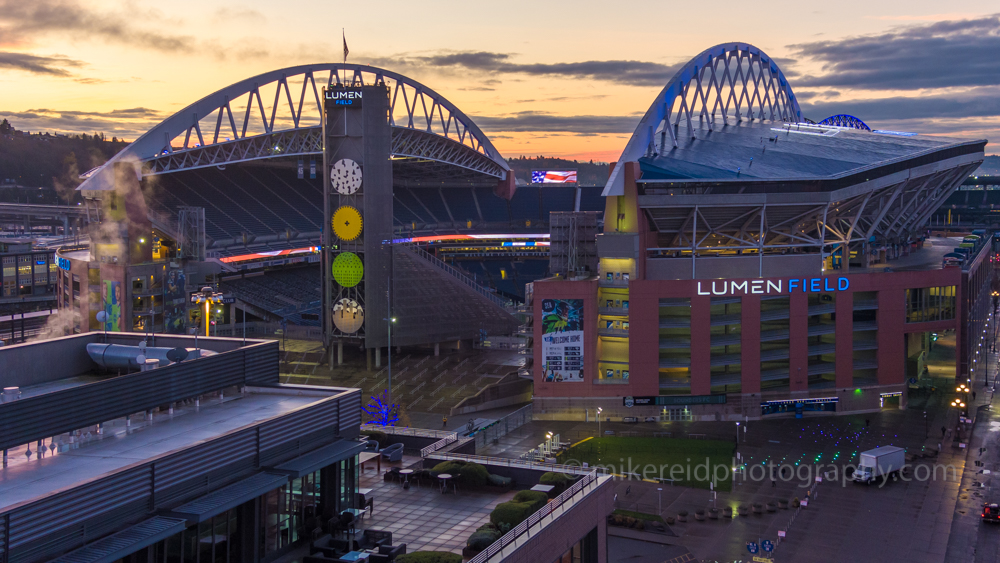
x=495 y=430
x=516 y=463
x=461 y=276
x=447 y=440
x=406 y=431
x=560 y=504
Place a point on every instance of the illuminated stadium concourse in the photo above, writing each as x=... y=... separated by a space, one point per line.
x=231 y=188
x=762 y=264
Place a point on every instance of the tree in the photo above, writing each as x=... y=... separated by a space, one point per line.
x=6 y=128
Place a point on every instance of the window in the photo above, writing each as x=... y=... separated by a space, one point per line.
x=926 y=304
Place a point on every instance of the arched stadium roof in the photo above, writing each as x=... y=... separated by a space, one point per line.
x=278 y=114
x=724 y=84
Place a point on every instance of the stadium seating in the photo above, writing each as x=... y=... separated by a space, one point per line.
x=286 y=293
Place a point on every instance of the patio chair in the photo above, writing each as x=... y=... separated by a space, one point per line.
x=329 y=546
x=393 y=452
x=371 y=446
x=372 y=539
x=393 y=551
x=366 y=503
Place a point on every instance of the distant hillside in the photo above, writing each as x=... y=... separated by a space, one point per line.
x=989 y=167
x=51 y=161
x=588 y=173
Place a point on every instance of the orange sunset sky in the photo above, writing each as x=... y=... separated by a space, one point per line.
x=565 y=79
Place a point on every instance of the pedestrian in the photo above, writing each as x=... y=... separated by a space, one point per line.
x=867 y=423
x=444 y=421
x=943 y=430
x=939 y=447
x=773 y=483
x=973 y=395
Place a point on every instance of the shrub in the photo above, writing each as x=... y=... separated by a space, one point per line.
x=670 y=520
x=473 y=475
x=498 y=481
x=558 y=480
x=536 y=499
x=381 y=437
x=451 y=467
x=510 y=514
x=488 y=527
x=480 y=540
x=429 y=557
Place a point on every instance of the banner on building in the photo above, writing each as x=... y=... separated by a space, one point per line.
x=562 y=339
x=112 y=306
x=553 y=176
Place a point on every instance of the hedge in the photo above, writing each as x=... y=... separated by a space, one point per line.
x=510 y=514
x=468 y=474
x=536 y=499
x=479 y=541
x=429 y=557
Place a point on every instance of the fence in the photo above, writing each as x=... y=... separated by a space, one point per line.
x=439 y=444
x=492 y=433
x=562 y=503
x=516 y=463
x=406 y=431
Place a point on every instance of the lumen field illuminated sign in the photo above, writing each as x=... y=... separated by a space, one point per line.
x=773 y=287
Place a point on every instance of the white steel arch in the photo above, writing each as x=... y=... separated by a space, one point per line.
x=278 y=114
x=727 y=82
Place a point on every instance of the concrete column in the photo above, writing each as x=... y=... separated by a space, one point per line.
x=378 y=357
x=437 y=349
x=701 y=342
x=798 y=342
x=844 y=363
x=368 y=356
x=750 y=344
x=340 y=353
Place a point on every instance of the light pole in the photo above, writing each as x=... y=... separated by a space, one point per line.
x=206 y=297
x=599 y=411
x=659 y=504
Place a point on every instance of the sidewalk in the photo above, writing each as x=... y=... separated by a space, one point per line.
x=981 y=457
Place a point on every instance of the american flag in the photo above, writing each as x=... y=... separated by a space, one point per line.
x=553 y=176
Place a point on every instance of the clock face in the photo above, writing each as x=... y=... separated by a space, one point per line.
x=348 y=269
x=345 y=176
x=347 y=223
x=348 y=315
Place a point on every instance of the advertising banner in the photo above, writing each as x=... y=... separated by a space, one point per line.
x=562 y=339
x=113 y=306
x=174 y=302
x=553 y=176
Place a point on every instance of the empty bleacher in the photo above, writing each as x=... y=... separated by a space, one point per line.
x=285 y=293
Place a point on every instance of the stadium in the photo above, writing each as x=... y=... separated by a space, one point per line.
x=233 y=193
x=755 y=263
x=751 y=262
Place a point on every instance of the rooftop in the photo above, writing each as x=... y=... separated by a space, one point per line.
x=89 y=453
x=767 y=150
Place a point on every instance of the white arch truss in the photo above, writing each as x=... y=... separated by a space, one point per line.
x=279 y=113
x=724 y=84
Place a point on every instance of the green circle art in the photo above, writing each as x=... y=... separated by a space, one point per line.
x=348 y=269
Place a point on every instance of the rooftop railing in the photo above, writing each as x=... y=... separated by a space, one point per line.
x=518 y=535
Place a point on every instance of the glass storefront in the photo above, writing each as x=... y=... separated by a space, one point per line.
x=264 y=528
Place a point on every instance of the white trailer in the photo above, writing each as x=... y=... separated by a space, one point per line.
x=881 y=461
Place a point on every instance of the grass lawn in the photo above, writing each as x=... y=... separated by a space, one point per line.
x=692 y=463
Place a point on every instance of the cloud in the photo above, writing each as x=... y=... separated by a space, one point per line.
x=37 y=64
x=533 y=121
x=977 y=103
x=639 y=73
x=945 y=54
x=129 y=122
x=24 y=22
x=248 y=15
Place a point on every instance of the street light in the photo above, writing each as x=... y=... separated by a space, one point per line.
x=388 y=324
x=599 y=411
x=207 y=296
